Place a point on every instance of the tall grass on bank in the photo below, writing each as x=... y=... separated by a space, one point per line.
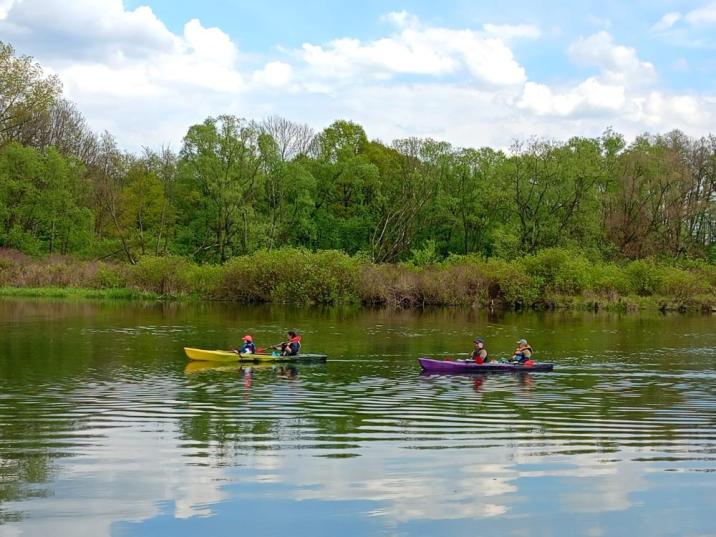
x=551 y=278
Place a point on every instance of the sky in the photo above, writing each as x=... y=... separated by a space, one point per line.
x=470 y=73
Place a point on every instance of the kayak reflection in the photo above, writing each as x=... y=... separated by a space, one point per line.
x=282 y=371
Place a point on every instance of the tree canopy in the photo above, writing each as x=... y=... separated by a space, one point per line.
x=237 y=186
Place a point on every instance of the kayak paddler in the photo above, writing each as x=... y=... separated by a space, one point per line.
x=248 y=347
x=290 y=347
x=479 y=354
x=523 y=352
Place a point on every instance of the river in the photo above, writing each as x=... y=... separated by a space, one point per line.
x=104 y=430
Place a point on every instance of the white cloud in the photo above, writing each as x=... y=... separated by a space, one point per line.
x=86 y=28
x=133 y=76
x=5 y=5
x=617 y=95
x=617 y=62
x=508 y=32
x=401 y=19
x=702 y=16
x=418 y=50
x=699 y=17
x=667 y=21
x=590 y=95
x=657 y=109
x=274 y=74
x=126 y=70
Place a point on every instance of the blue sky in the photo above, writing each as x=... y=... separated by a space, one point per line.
x=261 y=26
x=472 y=73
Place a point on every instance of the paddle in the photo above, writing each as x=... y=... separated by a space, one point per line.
x=278 y=346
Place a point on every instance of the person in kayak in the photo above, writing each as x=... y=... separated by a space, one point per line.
x=248 y=347
x=479 y=354
x=523 y=352
x=290 y=347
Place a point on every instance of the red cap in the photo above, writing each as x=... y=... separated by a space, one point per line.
x=248 y=338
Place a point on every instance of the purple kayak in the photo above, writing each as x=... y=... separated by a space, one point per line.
x=444 y=366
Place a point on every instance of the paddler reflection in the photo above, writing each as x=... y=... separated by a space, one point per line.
x=248 y=376
x=288 y=371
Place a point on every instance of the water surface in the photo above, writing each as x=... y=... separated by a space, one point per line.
x=105 y=431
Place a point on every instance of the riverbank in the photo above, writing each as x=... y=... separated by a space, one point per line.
x=551 y=279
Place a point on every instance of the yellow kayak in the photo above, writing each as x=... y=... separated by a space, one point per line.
x=230 y=356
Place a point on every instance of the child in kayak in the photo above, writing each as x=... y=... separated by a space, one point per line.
x=479 y=355
x=290 y=347
x=248 y=347
x=523 y=352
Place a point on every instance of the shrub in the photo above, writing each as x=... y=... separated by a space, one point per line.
x=511 y=282
x=427 y=255
x=547 y=264
x=681 y=284
x=610 y=280
x=160 y=275
x=109 y=277
x=291 y=275
x=644 y=277
x=203 y=280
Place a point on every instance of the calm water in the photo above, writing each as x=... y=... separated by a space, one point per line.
x=104 y=430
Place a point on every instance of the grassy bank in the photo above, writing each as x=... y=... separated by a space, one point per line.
x=553 y=278
x=76 y=293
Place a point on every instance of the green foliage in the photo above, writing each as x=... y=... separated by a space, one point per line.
x=160 y=275
x=512 y=283
x=273 y=212
x=291 y=275
x=560 y=270
x=427 y=255
x=109 y=277
x=41 y=196
x=645 y=277
x=681 y=285
x=25 y=92
x=610 y=280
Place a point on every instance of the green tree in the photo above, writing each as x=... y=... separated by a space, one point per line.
x=218 y=174
x=42 y=201
x=345 y=186
x=554 y=190
x=26 y=94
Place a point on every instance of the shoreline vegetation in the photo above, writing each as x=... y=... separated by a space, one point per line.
x=553 y=278
x=273 y=211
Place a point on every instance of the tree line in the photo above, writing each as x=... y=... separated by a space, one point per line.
x=238 y=186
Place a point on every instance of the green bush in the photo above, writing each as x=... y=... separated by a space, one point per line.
x=291 y=275
x=23 y=241
x=547 y=264
x=427 y=255
x=512 y=283
x=574 y=277
x=203 y=281
x=296 y=275
x=161 y=275
x=109 y=277
x=610 y=280
x=644 y=277
x=681 y=284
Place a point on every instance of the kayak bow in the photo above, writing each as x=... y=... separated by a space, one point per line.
x=431 y=365
x=229 y=356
